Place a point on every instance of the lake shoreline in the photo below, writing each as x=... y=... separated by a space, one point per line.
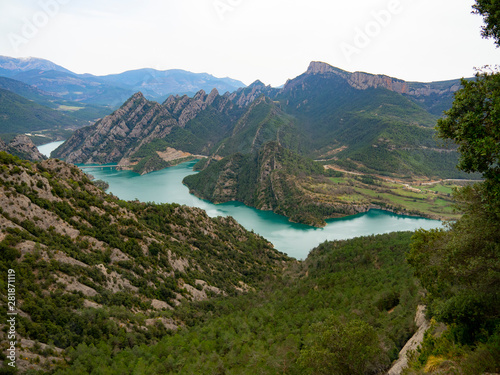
x=296 y=240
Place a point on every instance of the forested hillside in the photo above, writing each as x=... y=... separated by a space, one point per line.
x=93 y=269
x=20 y=115
x=347 y=309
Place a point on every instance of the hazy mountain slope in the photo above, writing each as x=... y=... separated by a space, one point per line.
x=80 y=111
x=10 y=66
x=28 y=92
x=156 y=84
x=110 y=90
x=20 y=115
x=73 y=87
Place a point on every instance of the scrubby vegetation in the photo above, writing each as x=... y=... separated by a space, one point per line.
x=92 y=269
x=341 y=299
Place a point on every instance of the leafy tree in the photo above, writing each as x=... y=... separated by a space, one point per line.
x=343 y=348
x=490 y=10
x=460 y=267
x=474 y=124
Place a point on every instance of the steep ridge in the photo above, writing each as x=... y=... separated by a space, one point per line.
x=271 y=178
x=118 y=135
x=434 y=97
x=135 y=135
x=363 y=81
x=90 y=266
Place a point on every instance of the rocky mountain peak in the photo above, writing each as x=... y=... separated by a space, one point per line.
x=137 y=96
x=257 y=83
x=200 y=95
x=169 y=101
x=212 y=96
x=363 y=81
x=319 y=67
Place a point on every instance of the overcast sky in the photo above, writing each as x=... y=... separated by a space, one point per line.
x=270 y=40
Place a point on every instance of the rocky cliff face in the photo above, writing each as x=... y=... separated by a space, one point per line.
x=185 y=108
x=246 y=96
x=23 y=147
x=119 y=136
x=363 y=81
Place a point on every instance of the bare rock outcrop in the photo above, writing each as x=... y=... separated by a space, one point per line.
x=23 y=147
x=363 y=81
x=413 y=343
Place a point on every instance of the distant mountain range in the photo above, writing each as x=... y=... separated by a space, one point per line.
x=110 y=90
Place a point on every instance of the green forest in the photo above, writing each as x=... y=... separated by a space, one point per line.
x=363 y=286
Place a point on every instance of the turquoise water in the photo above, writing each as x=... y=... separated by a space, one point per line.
x=47 y=148
x=296 y=240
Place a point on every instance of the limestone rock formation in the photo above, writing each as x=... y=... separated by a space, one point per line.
x=363 y=81
x=23 y=147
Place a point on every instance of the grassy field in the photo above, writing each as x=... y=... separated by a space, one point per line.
x=433 y=201
x=68 y=108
